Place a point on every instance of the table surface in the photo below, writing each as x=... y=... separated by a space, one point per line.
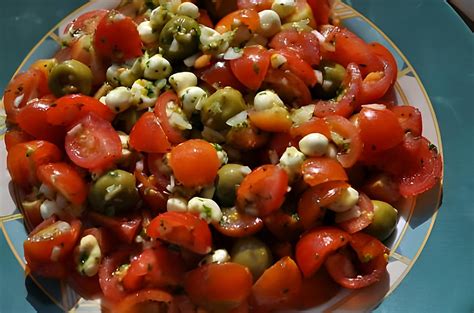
x=441 y=48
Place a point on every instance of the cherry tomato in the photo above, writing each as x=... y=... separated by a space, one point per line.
x=86 y=23
x=246 y=138
x=251 y=68
x=315 y=246
x=14 y=137
x=83 y=51
x=220 y=75
x=292 y=90
x=220 y=287
x=174 y=135
x=124 y=229
x=321 y=10
x=262 y=191
x=237 y=224
x=183 y=229
x=314 y=125
x=258 y=5
x=295 y=64
x=93 y=143
x=382 y=187
x=65 y=179
x=305 y=44
x=152 y=190
x=347 y=101
x=320 y=170
x=277 y=285
x=116 y=37
x=68 y=109
x=87 y=287
x=284 y=225
x=409 y=118
x=194 y=163
x=109 y=280
x=352 y=147
x=379 y=129
x=155 y=300
x=278 y=144
x=205 y=19
x=24 y=158
x=276 y=119
x=147 y=135
x=365 y=219
x=246 y=17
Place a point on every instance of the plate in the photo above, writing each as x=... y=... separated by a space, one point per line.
x=417 y=215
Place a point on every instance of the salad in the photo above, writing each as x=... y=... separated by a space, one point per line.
x=213 y=156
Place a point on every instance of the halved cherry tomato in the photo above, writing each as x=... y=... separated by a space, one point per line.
x=83 y=51
x=24 y=158
x=68 y=109
x=276 y=119
x=14 y=137
x=116 y=37
x=347 y=101
x=314 y=125
x=372 y=262
x=183 y=229
x=352 y=147
x=205 y=19
x=247 y=137
x=251 y=68
x=305 y=44
x=409 y=118
x=174 y=135
x=385 y=55
x=237 y=224
x=220 y=287
x=258 y=5
x=194 y=163
x=65 y=179
x=279 y=142
x=85 y=23
x=93 y=143
x=109 y=281
x=295 y=64
x=382 y=187
x=147 y=135
x=220 y=75
x=33 y=120
x=379 y=129
x=292 y=90
x=315 y=246
x=262 y=191
x=284 y=225
x=277 y=285
x=87 y=287
x=152 y=190
x=321 y=10
x=365 y=219
x=124 y=228
x=320 y=170
x=246 y=17
x=153 y=300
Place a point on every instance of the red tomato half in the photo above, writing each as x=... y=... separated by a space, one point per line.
x=183 y=229
x=321 y=10
x=314 y=125
x=315 y=246
x=262 y=191
x=110 y=283
x=85 y=23
x=174 y=135
x=409 y=118
x=65 y=179
x=125 y=229
x=251 y=68
x=93 y=143
x=365 y=219
x=295 y=64
x=305 y=44
x=237 y=224
x=220 y=75
x=116 y=37
x=144 y=300
x=147 y=135
x=320 y=170
x=231 y=21
x=351 y=150
x=14 y=137
x=290 y=87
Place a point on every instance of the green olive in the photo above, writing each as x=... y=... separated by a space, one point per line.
x=125 y=120
x=333 y=75
x=220 y=106
x=179 y=38
x=70 y=76
x=114 y=192
x=298 y=26
x=252 y=253
x=229 y=178
x=385 y=220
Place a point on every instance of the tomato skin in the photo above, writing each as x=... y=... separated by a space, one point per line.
x=93 y=143
x=315 y=246
x=305 y=44
x=14 y=137
x=175 y=136
x=248 y=17
x=68 y=109
x=276 y=119
x=87 y=287
x=296 y=65
x=277 y=285
x=251 y=68
x=110 y=283
x=152 y=189
x=283 y=225
x=237 y=224
x=83 y=51
x=365 y=219
x=291 y=88
x=258 y=5
x=183 y=229
x=262 y=191
x=221 y=287
x=347 y=130
x=194 y=163
x=409 y=118
x=135 y=302
x=349 y=101
x=110 y=35
x=314 y=125
x=85 y=23
x=65 y=179
x=147 y=135
x=321 y=170
x=321 y=10
x=124 y=229
x=23 y=159
x=220 y=75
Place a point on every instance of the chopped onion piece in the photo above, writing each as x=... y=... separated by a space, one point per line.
x=237 y=119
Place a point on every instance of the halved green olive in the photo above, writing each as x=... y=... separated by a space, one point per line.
x=221 y=106
x=385 y=220
x=179 y=38
x=229 y=178
x=114 y=192
x=69 y=77
x=333 y=75
x=252 y=253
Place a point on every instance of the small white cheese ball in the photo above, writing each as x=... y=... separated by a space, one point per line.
x=217 y=256
x=146 y=32
x=89 y=255
x=346 y=201
x=331 y=151
x=266 y=99
x=176 y=204
x=314 y=144
x=119 y=99
x=144 y=93
x=192 y=99
x=48 y=208
x=188 y=9
x=291 y=161
x=157 y=67
x=270 y=23
x=284 y=8
x=207 y=209
x=182 y=80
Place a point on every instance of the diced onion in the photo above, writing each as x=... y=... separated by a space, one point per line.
x=237 y=119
